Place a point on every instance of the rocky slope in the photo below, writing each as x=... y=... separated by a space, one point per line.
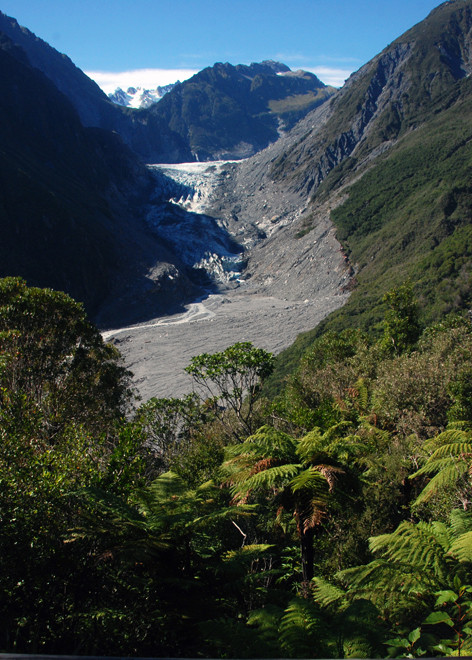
x=269 y=289
x=393 y=93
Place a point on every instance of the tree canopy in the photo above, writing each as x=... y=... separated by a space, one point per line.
x=332 y=521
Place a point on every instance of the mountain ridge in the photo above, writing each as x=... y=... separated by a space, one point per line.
x=72 y=198
x=174 y=131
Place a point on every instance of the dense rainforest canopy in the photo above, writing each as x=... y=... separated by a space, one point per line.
x=332 y=521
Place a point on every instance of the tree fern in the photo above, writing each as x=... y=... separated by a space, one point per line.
x=413 y=563
x=265 y=465
x=303 y=631
x=451 y=462
x=325 y=593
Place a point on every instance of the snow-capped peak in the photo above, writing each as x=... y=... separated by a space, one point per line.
x=138 y=97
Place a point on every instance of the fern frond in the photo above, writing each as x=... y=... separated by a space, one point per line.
x=388 y=585
x=366 y=575
x=439 y=464
x=310 y=479
x=461 y=548
x=227 y=513
x=247 y=553
x=451 y=449
x=460 y=522
x=448 y=437
x=325 y=593
x=114 y=505
x=166 y=486
x=310 y=445
x=362 y=395
x=446 y=478
x=271 y=442
x=301 y=630
x=338 y=430
x=266 y=479
x=348 y=448
x=422 y=545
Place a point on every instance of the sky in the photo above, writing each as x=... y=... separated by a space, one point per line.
x=146 y=43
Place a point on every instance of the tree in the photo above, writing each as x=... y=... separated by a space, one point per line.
x=166 y=557
x=299 y=477
x=233 y=378
x=63 y=394
x=168 y=425
x=420 y=583
x=401 y=325
x=54 y=361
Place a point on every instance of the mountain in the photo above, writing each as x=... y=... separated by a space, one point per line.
x=246 y=105
x=231 y=112
x=367 y=189
x=388 y=160
x=138 y=97
x=92 y=105
x=71 y=201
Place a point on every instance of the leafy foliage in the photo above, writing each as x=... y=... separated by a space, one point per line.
x=233 y=377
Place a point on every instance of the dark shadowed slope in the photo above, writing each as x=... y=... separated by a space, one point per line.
x=70 y=196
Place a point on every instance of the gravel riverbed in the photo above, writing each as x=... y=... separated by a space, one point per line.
x=158 y=351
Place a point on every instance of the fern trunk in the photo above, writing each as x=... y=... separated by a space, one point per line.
x=307 y=553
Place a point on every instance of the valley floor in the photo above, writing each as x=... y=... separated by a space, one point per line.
x=288 y=283
x=158 y=351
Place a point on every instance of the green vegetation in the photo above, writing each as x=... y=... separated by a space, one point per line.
x=406 y=216
x=410 y=216
x=332 y=521
x=224 y=105
x=317 y=505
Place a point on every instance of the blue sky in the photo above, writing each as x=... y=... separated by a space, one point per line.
x=166 y=40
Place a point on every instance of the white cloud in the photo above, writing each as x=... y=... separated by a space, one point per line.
x=330 y=75
x=151 y=78
x=147 y=78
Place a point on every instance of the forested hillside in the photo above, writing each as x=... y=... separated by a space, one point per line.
x=332 y=521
